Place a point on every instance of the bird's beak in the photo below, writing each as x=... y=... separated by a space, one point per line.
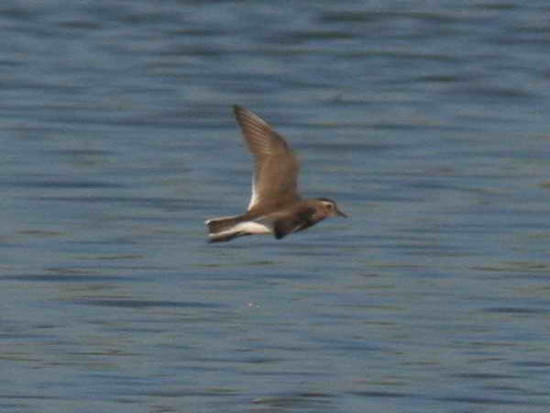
x=341 y=214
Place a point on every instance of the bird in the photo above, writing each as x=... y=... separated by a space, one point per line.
x=275 y=205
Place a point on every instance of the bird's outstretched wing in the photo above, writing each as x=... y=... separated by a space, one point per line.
x=276 y=169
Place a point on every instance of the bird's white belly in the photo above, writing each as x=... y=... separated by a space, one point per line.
x=253 y=227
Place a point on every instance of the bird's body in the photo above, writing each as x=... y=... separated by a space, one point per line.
x=275 y=206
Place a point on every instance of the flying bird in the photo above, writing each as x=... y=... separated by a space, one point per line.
x=275 y=206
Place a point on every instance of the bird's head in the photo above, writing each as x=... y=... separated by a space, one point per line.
x=330 y=207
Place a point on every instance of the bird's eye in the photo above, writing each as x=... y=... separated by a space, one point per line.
x=329 y=206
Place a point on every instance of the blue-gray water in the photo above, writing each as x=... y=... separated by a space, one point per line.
x=427 y=121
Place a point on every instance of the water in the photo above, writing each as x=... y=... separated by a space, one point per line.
x=426 y=121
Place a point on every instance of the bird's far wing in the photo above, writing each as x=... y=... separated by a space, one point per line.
x=276 y=167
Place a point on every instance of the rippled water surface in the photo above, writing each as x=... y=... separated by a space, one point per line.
x=427 y=122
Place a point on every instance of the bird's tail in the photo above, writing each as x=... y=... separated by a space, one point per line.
x=223 y=229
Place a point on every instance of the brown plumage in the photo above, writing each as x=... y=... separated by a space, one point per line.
x=275 y=206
